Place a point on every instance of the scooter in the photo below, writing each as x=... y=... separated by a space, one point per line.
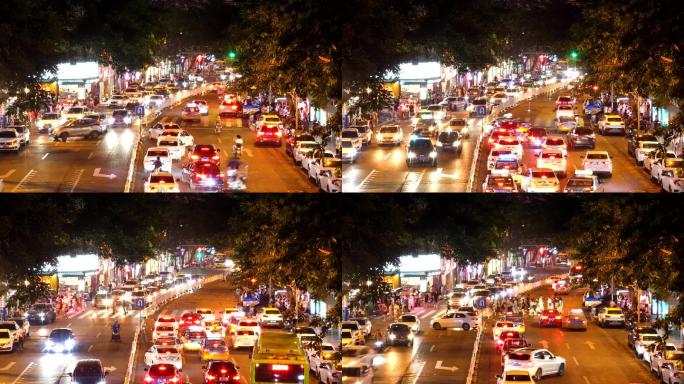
x=237 y=151
x=116 y=336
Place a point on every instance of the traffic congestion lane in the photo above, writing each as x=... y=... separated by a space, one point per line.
x=627 y=177
x=436 y=356
x=78 y=165
x=595 y=356
x=383 y=168
x=269 y=168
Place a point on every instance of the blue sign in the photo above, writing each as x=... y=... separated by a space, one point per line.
x=140 y=110
x=481 y=302
x=481 y=110
x=139 y=304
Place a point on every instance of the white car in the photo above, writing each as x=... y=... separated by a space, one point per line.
x=326 y=353
x=318 y=167
x=6 y=341
x=186 y=139
x=389 y=134
x=498 y=98
x=167 y=319
x=269 y=121
x=347 y=337
x=173 y=145
x=154 y=101
x=365 y=133
x=599 y=162
x=161 y=182
x=555 y=142
x=663 y=165
x=655 y=156
x=553 y=159
x=151 y=157
x=494 y=155
x=672 y=372
x=249 y=324
x=301 y=148
x=49 y=120
x=672 y=180
x=411 y=321
x=330 y=180
x=163 y=355
x=353 y=135
x=9 y=140
x=611 y=123
x=643 y=341
x=609 y=316
x=513 y=91
x=510 y=143
x=163 y=331
x=537 y=362
x=353 y=326
x=75 y=113
x=207 y=314
x=330 y=373
x=644 y=148
x=439 y=111
x=514 y=376
x=203 y=107
x=540 y=180
x=158 y=128
x=365 y=324
x=501 y=327
x=244 y=338
x=117 y=101
x=349 y=152
x=270 y=316
x=565 y=110
x=460 y=125
x=461 y=320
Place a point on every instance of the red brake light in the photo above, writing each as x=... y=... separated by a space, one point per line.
x=280 y=367
x=234 y=107
x=260 y=133
x=211 y=377
x=162 y=368
x=544 y=317
x=223 y=370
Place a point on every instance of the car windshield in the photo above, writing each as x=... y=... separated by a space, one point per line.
x=519 y=356
x=8 y=134
x=457 y=123
x=408 y=319
x=597 y=156
x=347 y=144
x=51 y=116
x=245 y=332
x=353 y=326
x=169 y=143
x=309 y=145
x=614 y=119
x=60 y=334
x=674 y=163
x=580 y=182
x=537 y=132
x=547 y=155
x=399 y=328
x=583 y=131
x=514 y=377
x=120 y=113
x=272 y=312
x=156 y=153
x=87 y=370
x=498 y=182
x=420 y=144
x=360 y=128
x=496 y=153
x=331 y=162
x=543 y=174
x=161 y=179
x=76 y=110
x=8 y=326
x=448 y=136
x=614 y=312
x=162 y=370
x=171 y=133
x=552 y=141
x=510 y=165
x=4 y=334
x=248 y=324
x=346 y=334
x=391 y=129
x=648 y=145
x=272 y=120
x=350 y=134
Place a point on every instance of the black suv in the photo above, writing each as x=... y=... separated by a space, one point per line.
x=581 y=137
x=449 y=141
x=88 y=371
x=398 y=333
x=420 y=150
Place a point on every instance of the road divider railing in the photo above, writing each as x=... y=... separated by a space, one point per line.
x=155 y=304
x=498 y=111
x=151 y=114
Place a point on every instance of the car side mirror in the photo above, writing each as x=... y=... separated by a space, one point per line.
x=106 y=373
x=498 y=376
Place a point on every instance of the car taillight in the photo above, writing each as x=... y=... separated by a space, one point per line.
x=211 y=377
x=173 y=380
x=260 y=133
x=148 y=379
x=279 y=134
x=558 y=317
x=679 y=182
x=215 y=157
x=544 y=317
x=195 y=157
x=234 y=107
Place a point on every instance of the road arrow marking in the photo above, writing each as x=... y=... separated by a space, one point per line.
x=544 y=344
x=8 y=366
x=8 y=174
x=590 y=344
x=439 y=366
x=98 y=174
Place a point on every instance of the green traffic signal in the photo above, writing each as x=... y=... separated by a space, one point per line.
x=574 y=54
x=232 y=55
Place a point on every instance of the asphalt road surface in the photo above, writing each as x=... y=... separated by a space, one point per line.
x=269 y=168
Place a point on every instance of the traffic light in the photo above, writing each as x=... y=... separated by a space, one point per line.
x=232 y=55
x=574 y=54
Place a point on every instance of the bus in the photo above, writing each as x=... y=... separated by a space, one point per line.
x=278 y=358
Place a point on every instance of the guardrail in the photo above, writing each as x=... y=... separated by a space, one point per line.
x=158 y=301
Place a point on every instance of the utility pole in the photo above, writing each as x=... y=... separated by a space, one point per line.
x=638 y=112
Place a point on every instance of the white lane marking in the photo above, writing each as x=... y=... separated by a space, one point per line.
x=422 y=365
x=90 y=348
x=98 y=174
x=26 y=178
x=8 y=174
x=439 y=366
x=248 y=152
x=427 y=314
x=69 y=325
x=586 y=380
x=219 y=140
x=44 y=156
x=370 y=174
x=432 y=348
x=387 y=155
x=8 y=366
x=78 y=178
x=567 y=345
x=83 y=316
x=544 y=344
x=98 y=335
x=21 y=375
x=90 y=156
x=590 y=344
x=575 y=360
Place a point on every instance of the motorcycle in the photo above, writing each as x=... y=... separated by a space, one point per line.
x=116 y=336
x=237 y=151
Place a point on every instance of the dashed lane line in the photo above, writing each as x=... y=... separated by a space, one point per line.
x=575 y=360
x=21 y=375
x=44 y=156
x=24 y=180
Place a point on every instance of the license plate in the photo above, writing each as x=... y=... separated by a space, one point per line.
x=224 y=380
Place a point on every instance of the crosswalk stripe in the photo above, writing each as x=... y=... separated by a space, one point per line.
x=85 y=314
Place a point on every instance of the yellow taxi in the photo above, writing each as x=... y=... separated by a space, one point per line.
x=193 y=338
x=214 y=329
x=234 y=321
x=214 y=349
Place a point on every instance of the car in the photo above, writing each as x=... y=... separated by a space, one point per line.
x=319 y=167
x=41 y=313
x=221 y=372
x=206 y=313
x=564 y=111
x=498 y=98
x=153 y=101
x=561 y=287
x=167 y=319
x=555 y=142
x=665 y=165
x=581 y=137
x=231 y=108
x=163 y=331
x=191 y=114
x=611 y=123
x=330 y=180
x=449 y=141
x=643 y=149
x=173 y=145
x=513 y=91
x=399 y=333
x=154 y=153
x=439 y=111
x=120 y=118
x=117 y=101
x=193 y=337
x=672 y=180
x=348 y=337
x=269 y=134
x=633 y=142
x=14 y=329
x=599 y=162
x=514 y=376
x=389 y=134
x=326 y=352
x=202 y=106
x=655 y=156
x=420 y=150
x=160 y=182
x=550 y=317
x=535 y=137
x=574 y=320
x=48 y=120
x=643 y=340
x=158 y=128
x=537 y=362
x=672 y=373
x=565 y=100
x=88 y=128
x=461 y=126
x=355 y=327
x=349 y=152
x=186 y=139
x=411 y=320
x=163 y=355
x=353 y=135
x=244 y=338
x=24 y=326
x=214 y=349
x=10 y=140
x=566 y=123
x=75 y=112
x=540 y=180
x=494 y=155
x=303 y=147
x=659 y=353
x=510 y=143
x=231 y=313
x=270 y=317
x=23 y=133
x=553 y=159
x=162 y=373
x=502 y=326
x=499 y=184
x=250 y=324
x=356 y=373
x=162 y=91
x=364 y=133
x=88 y=371
x=457 y=319
x=610 y=316
x=269 y=121
x=293 y=139
x=317 y=154
x=205 y=152
x=61 y=340
x=6 y=341
x=330 y=372
x=511 y=344
x=203 y=176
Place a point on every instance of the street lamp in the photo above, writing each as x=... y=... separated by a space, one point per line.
x=369 y=283
x=27 y=283
x=26 y=90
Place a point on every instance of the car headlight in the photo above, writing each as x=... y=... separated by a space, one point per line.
x=410 y=336
x=411 y=155
x=456 y=143
x=352 y=152
x=110 y=120
x=439 y=144
x=414 y=327
x=49 y=343
x=127 y=119
x=392 y=336
x=433 y=154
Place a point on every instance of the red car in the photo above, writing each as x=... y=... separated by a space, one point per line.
x=506 y=335
x=203 y=175
x=270 y=134
x=535 y=137
x=550 y=317
x=206 y=152
x=162 y=374
x=231 y=108
x=221 y=372
x=512 y=344
x=496 y=134
x=188 y=319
